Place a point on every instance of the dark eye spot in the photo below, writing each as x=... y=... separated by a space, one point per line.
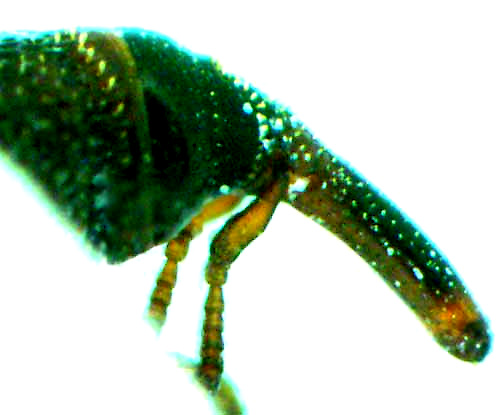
x=168 y=143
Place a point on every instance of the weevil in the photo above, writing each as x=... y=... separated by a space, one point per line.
x=139 y=142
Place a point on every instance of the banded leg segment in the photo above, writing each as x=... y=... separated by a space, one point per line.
x=176 y=251
x=235 y=236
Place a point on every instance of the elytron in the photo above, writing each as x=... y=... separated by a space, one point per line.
x=139 y=142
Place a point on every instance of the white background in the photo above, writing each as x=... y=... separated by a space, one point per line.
x=409 y=95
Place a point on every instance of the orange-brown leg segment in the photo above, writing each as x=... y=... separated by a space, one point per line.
x=236 y=234
x=176 y=251
x=225 y=399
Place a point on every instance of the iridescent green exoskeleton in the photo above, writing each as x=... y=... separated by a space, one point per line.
x=139 y=142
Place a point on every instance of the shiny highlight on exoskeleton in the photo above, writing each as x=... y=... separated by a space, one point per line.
x=139 y=142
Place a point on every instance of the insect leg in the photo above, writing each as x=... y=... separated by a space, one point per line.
x=235 y=236
x=176 y=251
x=225 y=399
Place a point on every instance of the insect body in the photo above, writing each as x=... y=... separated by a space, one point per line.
x=139 y=142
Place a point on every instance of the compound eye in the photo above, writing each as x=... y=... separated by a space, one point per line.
x=168 y=142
